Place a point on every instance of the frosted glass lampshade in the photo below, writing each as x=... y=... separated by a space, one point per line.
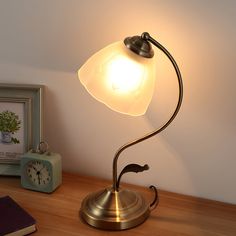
x=119 y=78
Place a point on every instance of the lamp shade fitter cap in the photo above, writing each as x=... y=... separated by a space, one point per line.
x=121 y=79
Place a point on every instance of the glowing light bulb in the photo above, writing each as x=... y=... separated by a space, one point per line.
x=125 y=75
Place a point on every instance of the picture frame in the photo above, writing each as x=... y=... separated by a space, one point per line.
x=21 y=120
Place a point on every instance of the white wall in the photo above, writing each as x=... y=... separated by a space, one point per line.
x=45 y=42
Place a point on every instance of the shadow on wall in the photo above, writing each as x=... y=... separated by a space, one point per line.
x=52 y=35
x=58 y=131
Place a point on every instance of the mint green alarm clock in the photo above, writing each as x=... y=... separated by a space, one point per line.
x=41 y=171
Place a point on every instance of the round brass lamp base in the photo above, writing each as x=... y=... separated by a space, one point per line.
x=114 y=210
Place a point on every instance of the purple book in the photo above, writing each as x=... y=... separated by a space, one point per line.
x=14 y=220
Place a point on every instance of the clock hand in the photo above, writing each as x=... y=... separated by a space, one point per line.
x=38 y=178
x=42 y=168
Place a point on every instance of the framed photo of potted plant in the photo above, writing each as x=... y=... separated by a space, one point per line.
x=20 y=124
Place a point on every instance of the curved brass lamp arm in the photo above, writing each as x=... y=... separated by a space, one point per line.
x=147 y=37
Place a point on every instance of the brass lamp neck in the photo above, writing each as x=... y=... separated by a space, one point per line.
x=141 y=46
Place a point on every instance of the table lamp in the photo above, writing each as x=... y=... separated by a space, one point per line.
x=122 y=76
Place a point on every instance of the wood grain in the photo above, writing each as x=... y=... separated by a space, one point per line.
x=57 y=213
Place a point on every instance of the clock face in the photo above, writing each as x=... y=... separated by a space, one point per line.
x=38 y=173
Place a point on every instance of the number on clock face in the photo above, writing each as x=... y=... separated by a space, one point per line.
x=38 y=173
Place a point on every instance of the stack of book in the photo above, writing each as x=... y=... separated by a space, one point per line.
x=14 y=220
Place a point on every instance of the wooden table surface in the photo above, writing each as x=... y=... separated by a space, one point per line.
x=57 y=213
